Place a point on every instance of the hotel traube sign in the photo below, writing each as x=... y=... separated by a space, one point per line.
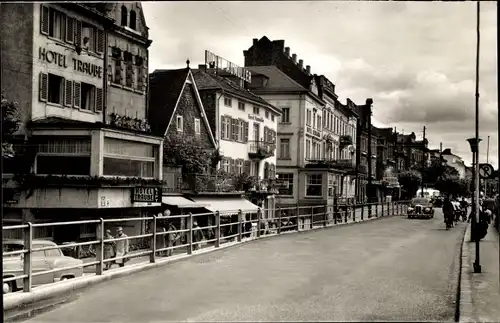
x=146 y=194
x=61 y=60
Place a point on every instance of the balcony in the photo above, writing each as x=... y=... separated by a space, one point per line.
x=313 y=132
x=260 y=149
x=199 y=183
x=342 y=164
x=263 y=187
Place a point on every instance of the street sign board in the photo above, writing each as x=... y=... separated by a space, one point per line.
x=486 y=171
x=219 y=63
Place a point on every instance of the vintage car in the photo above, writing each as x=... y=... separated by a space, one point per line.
x=44 y=260
x=420 y=207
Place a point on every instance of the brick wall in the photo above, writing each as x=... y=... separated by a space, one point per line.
x=16 y=74
x=189 y=109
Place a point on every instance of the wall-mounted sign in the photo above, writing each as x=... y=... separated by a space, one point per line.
x=256 y=118
x=146 y=194
x=217 y=62
x=55 y=58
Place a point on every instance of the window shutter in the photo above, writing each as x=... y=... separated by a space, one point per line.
x=129 y=74
x=247 y=166
x=222 y=127
x=78 y=33
x=70 y=30
x=118 y=71
x=77 y=94
x=98 y=99
x=44 y=87
x=232 y=168
x=68 y=93
x=100 y=41
x=234 y=129
x=245 y=132
x=44 y=20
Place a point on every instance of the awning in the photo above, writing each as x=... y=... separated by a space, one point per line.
x=180 y=202
x=226 y=204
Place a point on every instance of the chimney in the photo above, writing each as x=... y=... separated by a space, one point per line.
x=308 y=69
x=301 y=62
x=287 y=51
x=294 y=58
x=255 y=40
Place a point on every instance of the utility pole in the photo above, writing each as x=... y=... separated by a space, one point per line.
x=369 y=103
x=476 y=265
x=486 y=181
x=423 y=165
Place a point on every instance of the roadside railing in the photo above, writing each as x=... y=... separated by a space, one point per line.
x=30 y=262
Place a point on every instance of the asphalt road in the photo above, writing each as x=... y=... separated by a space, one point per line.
x=384 y=270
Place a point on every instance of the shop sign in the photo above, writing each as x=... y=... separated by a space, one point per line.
x=146 y=194
x=256 y=118
x=55 y=58
x=217 y=62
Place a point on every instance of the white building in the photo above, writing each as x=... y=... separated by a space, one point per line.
x=245 y=127
x=455 y=161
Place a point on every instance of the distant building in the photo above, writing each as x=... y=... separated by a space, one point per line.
x=455 y=161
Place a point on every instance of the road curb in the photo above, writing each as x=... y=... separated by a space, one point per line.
x=25 y=305
x=465 y=309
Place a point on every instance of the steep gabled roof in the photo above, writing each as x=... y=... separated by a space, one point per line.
x=210 y=81
x=277 y=79
x=165 y=87
x=165 y=90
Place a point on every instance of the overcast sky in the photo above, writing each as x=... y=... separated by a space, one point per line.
x=415 y=59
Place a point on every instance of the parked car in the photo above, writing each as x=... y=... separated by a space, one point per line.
x=420 y=207
x=41 y=261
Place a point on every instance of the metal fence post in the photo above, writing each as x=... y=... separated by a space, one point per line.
x=259 y=221
x=99 y=250
x=325 y=217
x=28 y=244
x=240 y=225
x=312 y=218
x=346 y=212
x=362 y=211
x=354 y=210
x=190 y=233
x=335 y=209
x=152 y=256
x=217 y=229
x=297 y=208
x=279 y=220
x=382 y=204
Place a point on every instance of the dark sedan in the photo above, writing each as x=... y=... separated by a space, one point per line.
x=421 y=207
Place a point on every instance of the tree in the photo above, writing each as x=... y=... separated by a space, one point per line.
x=187 y=153
x=10 y=124
x=410 y=181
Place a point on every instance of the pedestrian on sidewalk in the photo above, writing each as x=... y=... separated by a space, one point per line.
x=122 y=247
x=160 y=239
x=171 y=237
x=109 y=249
x=197 y=236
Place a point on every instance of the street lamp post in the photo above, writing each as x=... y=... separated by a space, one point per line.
x=474 y=146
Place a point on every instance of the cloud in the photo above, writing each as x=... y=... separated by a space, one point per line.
x=415 y=59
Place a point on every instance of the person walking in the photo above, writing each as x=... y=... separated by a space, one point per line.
x=170 y=237
x=122 y=247
x=197 y=236
x=160 y=239
x=109 y=249
x=448 y=210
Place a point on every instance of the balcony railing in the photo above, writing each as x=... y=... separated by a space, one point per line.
x=260 y=149
x=198 y=183
x=264 y=186
x=333 y=163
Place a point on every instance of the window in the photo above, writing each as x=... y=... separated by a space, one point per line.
x=272 y=117
x=124 y=16
x=285 y=117
x=87 y=97
x=133 y=19
x=227 y=102
x=180 y=123
x=63 y=156
x=314 y=185
x=239 y=166
x=225 y=165
x=287 y=188
x=53 y=253
x=331 y=186
x=285 y=148
x=308 y=118
x=242 y=131
x=56 y=23
x=308 y=149
x=225 y=127
x=89 y=37
x=128 y=158
x=241 y=106
x=318 y=126
x=55 y=89
x=197 y=126
x=267 y=114
x=256 y=110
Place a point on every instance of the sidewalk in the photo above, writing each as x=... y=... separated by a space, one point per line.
x=480 y=293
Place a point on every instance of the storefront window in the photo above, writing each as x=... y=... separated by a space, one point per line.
x=127 y=158
x=63 y=156
x=314 y=185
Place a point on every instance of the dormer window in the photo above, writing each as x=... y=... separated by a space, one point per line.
x=124 y=15
x=133 y=20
